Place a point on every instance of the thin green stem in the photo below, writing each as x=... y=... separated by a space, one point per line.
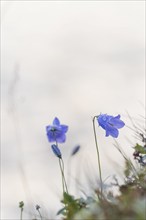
x=64 y=175
x=63 y=181
x=98 y=156
x=61 y=164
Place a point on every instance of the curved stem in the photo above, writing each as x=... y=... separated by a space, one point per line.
x=97 y=150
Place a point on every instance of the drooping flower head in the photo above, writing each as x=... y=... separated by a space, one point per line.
x=56 y=151
x=56 y=131
x=110 y=124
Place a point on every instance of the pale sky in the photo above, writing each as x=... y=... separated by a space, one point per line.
x=72 y=60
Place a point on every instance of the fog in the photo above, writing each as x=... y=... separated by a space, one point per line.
x=73 y=60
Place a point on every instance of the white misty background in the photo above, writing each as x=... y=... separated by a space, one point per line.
x=72 y=60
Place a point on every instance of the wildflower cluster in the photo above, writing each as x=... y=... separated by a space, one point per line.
x=102 y=204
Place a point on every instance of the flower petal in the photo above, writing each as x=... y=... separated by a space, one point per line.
x=61 y=138
x=64 y=128
x=102 y=120
x=117 y=122
x=110 y=130
x=48 y=128
x=118 y=116
x=56 y=121
x=107 y=133
x=51 y=137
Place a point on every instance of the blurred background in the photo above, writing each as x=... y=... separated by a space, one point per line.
x=72 y=60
